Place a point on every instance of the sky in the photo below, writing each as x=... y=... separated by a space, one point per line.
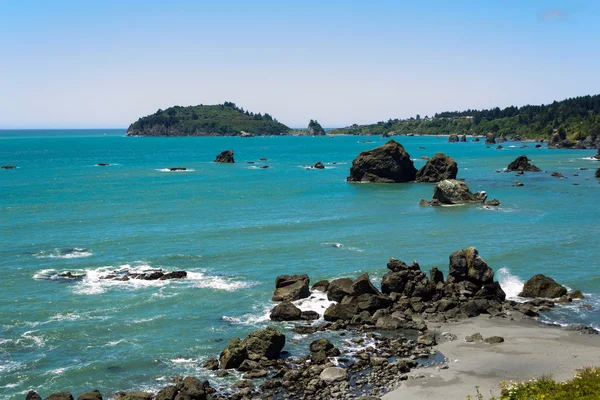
x=105 y=63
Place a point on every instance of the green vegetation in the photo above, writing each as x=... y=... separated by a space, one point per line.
x=584 y=386
x=221 y=119
x=575 y=118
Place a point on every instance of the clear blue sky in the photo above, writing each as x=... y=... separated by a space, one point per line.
x=75 y=63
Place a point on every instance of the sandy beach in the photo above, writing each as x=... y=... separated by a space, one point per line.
x=530 y=350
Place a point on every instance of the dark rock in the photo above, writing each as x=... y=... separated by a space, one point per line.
x=438 y=168
x=363 y=285
x=212 y=364
x=257 y=373
x=285 y=311
x=319 y=165
x=291 y=287
x=8 y=167
x=309 y=315
x=93 y=395
x=174 y=275
x=542 y=286
x=453 y=138
x=225 y=157
x=576 y=294
x=265 y=343
x=305 y=329
x=321 y=286
x=173 y=169
x=389 y=163
x=129 y=396
x=101 y=165
x=581 y=329
x=372 y=303
x=597 y=175
x=463 y=138
x=517 y=183
x=492 y=203
x=537 y=146
x=467 y=265
x=490 y=138
x=521 y=163
x=557 y=175
x=340 y=312
x=491 y=291
x=410 y=283
x=494 y=339
x=476 y=337
x=32 y=395
x=325 y=346
x=265 y=167
x=65 y=396
x=233 y=355
x=397 y=265
x=339 y=288
x=499 y=147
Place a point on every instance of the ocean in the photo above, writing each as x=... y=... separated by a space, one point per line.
x=234 y=228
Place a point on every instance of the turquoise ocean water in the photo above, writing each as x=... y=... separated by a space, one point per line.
x=235 y=228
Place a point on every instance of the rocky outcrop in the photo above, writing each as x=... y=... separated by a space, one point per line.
x=597 y=175
x=490 y=138
x=557 y=175
x=453 y=138
x=339 y=288
x=454 y=192
x=389 y=163
x=542 y=286
x=438 y=168
x=225 y=157
x=291 y=287
x=173 y=169
x=60 y=396
x=463 y=138
x=319 y=165
x=315 y=129
x=597 y=156
x=93 y=395
x=521 y=163
x=8 y=167
x=102 y=165
x=321 y=350
x=151 y=275
x=285 y=311
x=266 y=343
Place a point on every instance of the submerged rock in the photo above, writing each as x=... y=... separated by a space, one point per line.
x=521 y=163
x=438 y=168
x=542 y=286
x=102 y=165
x=225 y=157
x=389 y=163
x=8 y=167
x=557 y=175
x=173 y=169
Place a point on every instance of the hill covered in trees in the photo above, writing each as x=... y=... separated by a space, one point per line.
x=206 y=120
x=577 y=119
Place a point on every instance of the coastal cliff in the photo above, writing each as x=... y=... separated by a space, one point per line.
x=206 y=120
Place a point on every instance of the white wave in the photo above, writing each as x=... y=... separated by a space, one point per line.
x=76 y=252
x=355 y=249
x=590 y=158
x=511 y=284
x=203 y=280
x=9 y=366
x=333 y=244
x=38 y=341
x=182 y=360
x=57 y=371
x=115 y=342
x=317 y=301
x=66 y=317
x=180 y=170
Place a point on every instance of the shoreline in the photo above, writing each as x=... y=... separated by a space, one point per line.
x=531 y=349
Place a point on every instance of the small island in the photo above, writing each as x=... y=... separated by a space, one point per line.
x=206 y=120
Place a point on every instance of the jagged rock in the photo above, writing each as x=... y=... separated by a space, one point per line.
x=453 y=138
x=389 y=163
x=291 y=287
x=254 y=374
x=319 y=165
x=543 y=286
x=397 y=265
x=212 y=364
x=597 y=156
x=363 y=285
x=285 y=311
x=320 y=286
x=467 y=265
x=410 y=283
x=315 y=129
x=499 y=147
x=340 y=312
x=333 y=374
x=128 y=396
x=325 y=346
x=438 y=168
x=372 y=303
x=339 y=288
x=521 y=163
x=32 y=395
x=452 y=191
x=492 y=203
x=167 y=393
x=225 y=157
x=233 y=355
x=490 y=138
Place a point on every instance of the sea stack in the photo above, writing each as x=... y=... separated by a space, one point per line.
x=389 y=163
x=521 y=163
x=225 y=157
x=438 y=168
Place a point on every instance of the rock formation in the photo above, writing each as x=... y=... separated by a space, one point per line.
x=454 y=192
x=315 y=129
x=463 y=138
x=438 y=168
x=521 y=163
x=389 y=163
x=266 y=343
x=319 y=165
x=490 y=138
x=542 y=286
x=291 y=287
x=453 y=138
x=225 y=157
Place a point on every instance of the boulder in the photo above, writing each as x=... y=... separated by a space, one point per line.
x=452 y=191
x=225 y=157
x=94 y=395
x=467 y=265
x=463 y=138
x=543 y=286
x=174 y=169
x=363 y=285
x=476 y=337
x=212 y=364
x=8 y=167
x=32 y=395
x=130 y=396
x=576 y=294
x=557 y=175
x=286 y=311
x=410 y=283
x=339 y=288
x=490 y=138
x=438 y=168
x=597 y=156
x=427 y=339
x=597 y=175
x=291 y=287
x=325 y=346
x=265 y=343
x=320 y=286
x=453 y=138
x=389 y=163
x=310 y=315
x=233 y=355
x=494 y=339
x=333 y=374
x=319 y=165
x=340 y=312
x=397 y=265
x=521 y=163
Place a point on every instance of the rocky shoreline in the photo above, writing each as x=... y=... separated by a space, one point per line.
x=385 y=333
